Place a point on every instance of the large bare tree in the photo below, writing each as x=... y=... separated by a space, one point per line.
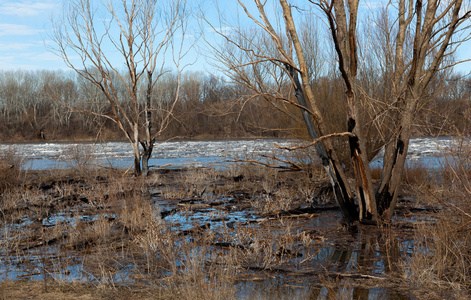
x=420 y=36
x=123 y=48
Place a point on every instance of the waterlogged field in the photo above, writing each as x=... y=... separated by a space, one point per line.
x=234 y=231
x=243 y=227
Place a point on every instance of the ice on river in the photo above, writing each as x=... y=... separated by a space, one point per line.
x=186 y=152
x=119 y=154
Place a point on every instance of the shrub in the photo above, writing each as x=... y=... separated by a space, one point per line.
x=10 y=169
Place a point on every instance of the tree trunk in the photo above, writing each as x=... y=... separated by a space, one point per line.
x=146 y=155
x=330 y=164
x=343 y=30
x=148 y=144
x=394 y=161
x=137 y=152
x=137 y=159
x=366 y=199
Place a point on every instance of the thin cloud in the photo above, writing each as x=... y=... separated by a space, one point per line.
x=8 y=65
x=47 y=56
x=27 y=8
x=31 y=61
x=14 y=29
x=16 y=46
x=225 y=29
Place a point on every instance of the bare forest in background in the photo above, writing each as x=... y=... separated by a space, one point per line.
x=208 y=108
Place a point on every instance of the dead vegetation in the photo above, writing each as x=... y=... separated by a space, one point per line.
x=208 y=234
x=441 y=258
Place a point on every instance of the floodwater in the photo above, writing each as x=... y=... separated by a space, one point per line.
x=358 y=254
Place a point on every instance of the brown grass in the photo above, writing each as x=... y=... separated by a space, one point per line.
x=440 y=262
x=416 y=174
x=123 y=230
x=10 y=170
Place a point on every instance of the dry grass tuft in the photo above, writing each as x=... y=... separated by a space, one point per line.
x=416 y=174
x=441 y=259
x=11 y=169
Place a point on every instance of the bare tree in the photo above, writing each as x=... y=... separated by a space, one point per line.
x=421 y=37
x=122 y=49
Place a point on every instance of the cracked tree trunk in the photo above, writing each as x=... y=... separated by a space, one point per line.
x=343 y=32
x=394 y=161
x=148 y=144
x=331 y=165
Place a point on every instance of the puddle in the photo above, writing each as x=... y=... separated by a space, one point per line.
x=279 y=289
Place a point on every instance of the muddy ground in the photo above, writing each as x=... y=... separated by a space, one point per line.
x=239 y=233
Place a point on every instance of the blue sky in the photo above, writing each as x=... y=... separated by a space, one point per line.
x=24 y=27
x=23 y=30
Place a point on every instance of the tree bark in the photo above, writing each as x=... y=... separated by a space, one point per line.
x=137 y=158
x=146 y=155
x=135 y=148
x=148 y=144
x=337 y=177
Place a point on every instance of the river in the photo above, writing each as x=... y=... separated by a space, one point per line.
x=40 y=156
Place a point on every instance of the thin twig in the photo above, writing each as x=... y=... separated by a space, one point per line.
x=454 y=229
x=315 y=141
x=294 y=167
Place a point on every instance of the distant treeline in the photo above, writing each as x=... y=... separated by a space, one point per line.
x=58 y=105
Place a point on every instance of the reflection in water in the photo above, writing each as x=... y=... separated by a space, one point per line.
x=370 y=256
x=366 y=255
x=337 y=264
